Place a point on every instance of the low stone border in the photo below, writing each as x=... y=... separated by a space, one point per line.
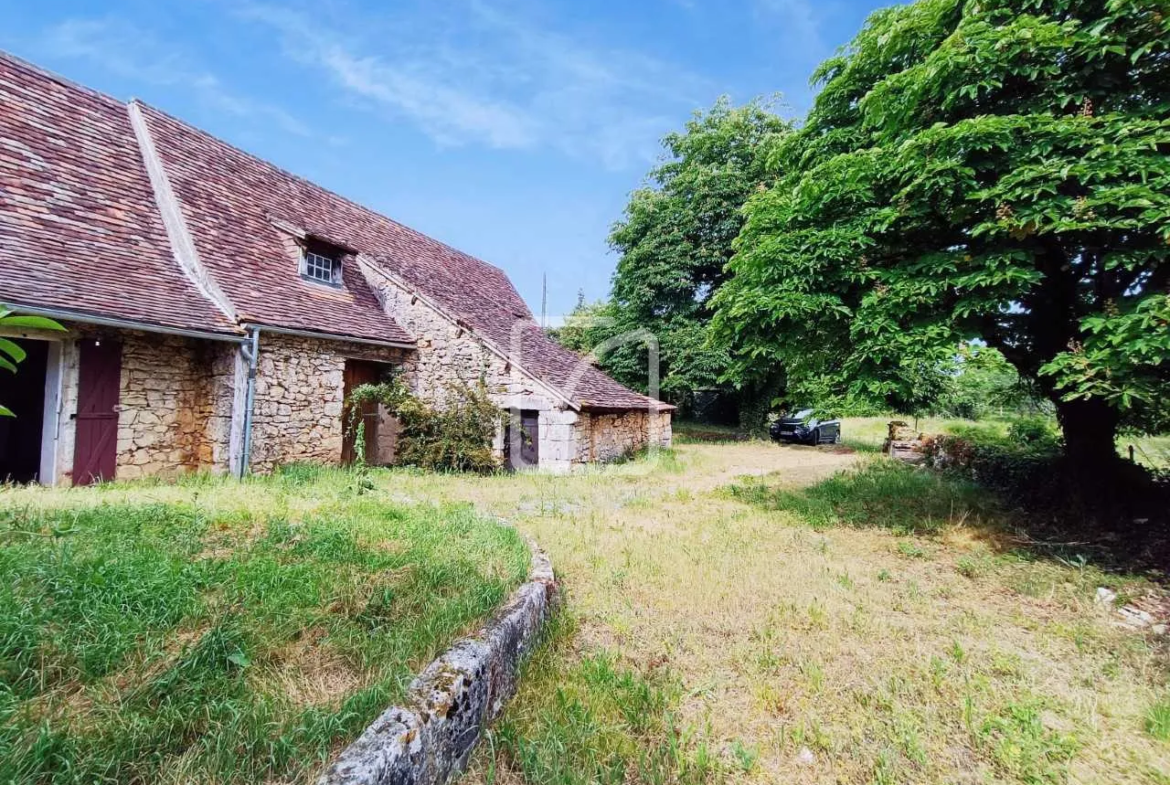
x=429 y=741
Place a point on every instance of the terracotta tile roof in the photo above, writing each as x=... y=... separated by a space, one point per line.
x=580 y=380
x=79 y=227
x=234 y=204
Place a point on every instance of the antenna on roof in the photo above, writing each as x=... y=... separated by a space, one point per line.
x=544 y=301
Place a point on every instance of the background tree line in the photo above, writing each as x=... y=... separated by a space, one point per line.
x=977 y=207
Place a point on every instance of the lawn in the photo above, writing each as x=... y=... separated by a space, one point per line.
x=734 y=612
x=743 y=612
x=868 y=434
x=220 y=632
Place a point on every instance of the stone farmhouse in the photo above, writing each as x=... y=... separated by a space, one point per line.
x=218 y=310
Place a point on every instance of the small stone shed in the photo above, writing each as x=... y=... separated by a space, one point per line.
x=219 y=309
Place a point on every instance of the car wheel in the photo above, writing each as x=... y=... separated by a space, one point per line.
x=837 y=438
x=816 y=436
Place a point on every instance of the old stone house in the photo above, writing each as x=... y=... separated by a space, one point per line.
x=219 y=309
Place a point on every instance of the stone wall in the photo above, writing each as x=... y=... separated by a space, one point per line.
x=300 y=389
x=448 y=352
x=429 y=740
x=662 y=429
x=605 y=437
x=175 y=405
x=181 y=399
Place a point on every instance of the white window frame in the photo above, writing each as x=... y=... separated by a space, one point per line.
x=313 y=263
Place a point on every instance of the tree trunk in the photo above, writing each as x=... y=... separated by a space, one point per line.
x=1090 y=433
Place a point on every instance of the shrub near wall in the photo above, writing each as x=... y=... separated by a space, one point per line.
x=1007 y=466
x=457 y=437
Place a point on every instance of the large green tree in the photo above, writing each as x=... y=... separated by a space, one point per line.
x=675 y=241
x=992 y=169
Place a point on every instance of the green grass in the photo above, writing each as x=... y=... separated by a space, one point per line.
x=1158 y=720
x=867 y=434
x=221 y=632
x=592 y=721
x=880 y=493
x=687 y=432
x=1152 y=451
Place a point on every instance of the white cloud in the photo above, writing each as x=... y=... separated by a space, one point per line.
x=472 y=73
x=128 y=51
x=799 y=22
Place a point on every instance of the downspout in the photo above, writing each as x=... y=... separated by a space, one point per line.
x=251 y=352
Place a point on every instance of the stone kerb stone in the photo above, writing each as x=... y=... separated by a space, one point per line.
x=430 y=739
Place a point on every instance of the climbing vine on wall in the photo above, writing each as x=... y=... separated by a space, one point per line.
x=457 y=437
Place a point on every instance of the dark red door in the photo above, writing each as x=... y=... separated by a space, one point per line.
x=95 y=451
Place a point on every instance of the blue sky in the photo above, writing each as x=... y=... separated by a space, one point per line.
x=512 y=129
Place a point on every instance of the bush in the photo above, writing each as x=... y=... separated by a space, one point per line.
x=457 y=437
x=1000 y=463
x=1037 y=432
x=1124 y=509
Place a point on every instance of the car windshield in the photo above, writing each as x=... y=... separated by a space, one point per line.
x=803 y=414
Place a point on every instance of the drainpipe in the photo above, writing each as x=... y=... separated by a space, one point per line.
x=251 y=352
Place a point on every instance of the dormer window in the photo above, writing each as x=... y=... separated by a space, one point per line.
x=321 y=264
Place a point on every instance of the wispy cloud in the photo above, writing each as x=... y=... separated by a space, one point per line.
x=799 y=22
x=473 y=73
x=127 y=51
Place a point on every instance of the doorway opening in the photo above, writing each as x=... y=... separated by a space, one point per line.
x=24 y=395
x=522 y=439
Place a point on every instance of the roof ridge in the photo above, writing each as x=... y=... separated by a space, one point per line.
x=170 y=212
x=65 y=81
x=307 y=181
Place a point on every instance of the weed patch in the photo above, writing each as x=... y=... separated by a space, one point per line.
x=1158 y=720
x=585 y=720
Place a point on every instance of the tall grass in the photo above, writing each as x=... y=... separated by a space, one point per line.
x=213 y=639
x=879 y=493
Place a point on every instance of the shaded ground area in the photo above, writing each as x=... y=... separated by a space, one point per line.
x=219 y=632
x=791 y=648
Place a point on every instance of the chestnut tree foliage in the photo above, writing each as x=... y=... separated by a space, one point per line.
x=995 y=170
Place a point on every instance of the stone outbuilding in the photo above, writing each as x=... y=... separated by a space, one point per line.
x=219 y=309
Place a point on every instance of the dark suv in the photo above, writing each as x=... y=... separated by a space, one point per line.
x=803 y=428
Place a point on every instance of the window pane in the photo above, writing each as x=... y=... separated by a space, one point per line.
x=319 y=268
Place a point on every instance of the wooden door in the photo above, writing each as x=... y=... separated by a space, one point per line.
x=95 y=451
x=357 y=373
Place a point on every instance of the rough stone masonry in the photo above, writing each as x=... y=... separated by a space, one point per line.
x=430 y=739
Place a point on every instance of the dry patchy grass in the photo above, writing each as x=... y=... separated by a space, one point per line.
x=846 y=653
x=765 y=644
